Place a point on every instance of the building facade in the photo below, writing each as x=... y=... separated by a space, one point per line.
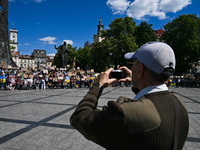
x=26 y=61
x=39 y=57
x=50 y=60
x=13 y=39
x=15 y=57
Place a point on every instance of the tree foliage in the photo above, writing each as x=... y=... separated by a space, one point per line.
x=12 y=48
x=119 y=40
x=83 y=58
x=100 y=55
x=144 y=33
x=71 y=55
x=58 y=59
x=183 y=35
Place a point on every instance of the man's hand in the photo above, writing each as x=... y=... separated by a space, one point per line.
x=103 y=78
x=127 y=74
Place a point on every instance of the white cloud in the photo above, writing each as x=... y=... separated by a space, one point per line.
x=27 y=1
x=48 y=40
x=118 y=6
x=39 y=1
x=107 y=27
x=139 y=9
x=174 y=5
x=68 y=41
x=26 y=44
x=51 y=54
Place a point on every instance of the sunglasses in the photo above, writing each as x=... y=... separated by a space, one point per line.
x=129 y=64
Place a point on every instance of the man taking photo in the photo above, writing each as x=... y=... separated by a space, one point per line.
x=155 y=119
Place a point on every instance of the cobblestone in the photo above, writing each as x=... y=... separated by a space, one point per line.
x=39 y=119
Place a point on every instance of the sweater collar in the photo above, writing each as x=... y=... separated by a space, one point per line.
x=151 y=89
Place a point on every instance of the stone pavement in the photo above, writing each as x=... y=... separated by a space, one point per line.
x=39 y=120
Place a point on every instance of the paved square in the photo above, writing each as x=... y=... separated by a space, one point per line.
x=39 y=119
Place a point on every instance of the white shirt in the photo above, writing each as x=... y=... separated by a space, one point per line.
x=151 y=89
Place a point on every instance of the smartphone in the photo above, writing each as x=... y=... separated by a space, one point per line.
x=117 y=74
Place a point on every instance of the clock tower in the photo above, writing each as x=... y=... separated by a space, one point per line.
x=13 y=39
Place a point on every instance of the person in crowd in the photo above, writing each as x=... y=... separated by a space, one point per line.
x=42 y=83
x=36 y=81
x=46 y=80
x=28 y=84
x=17 y=78
x=20 y=82
x=2 y=79
x=154 y=119
x=72 y=81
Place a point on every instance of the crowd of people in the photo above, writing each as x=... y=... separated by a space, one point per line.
x=184 y=81
x=42 y=79
x=45 y=78
x=23 y=78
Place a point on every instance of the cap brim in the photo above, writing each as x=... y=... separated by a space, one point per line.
x=129 y=55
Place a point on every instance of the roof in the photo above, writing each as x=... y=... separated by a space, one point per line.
x=15 y=53
x=25 y=57
x=49 y=59
x=159 y=32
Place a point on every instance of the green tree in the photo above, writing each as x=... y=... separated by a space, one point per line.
x=100 y=55
x=83 y=58
x=12 y=48
x=144 y=33
x=183 y=35
x=58 y=59
x=119 y=40
x=71 y=55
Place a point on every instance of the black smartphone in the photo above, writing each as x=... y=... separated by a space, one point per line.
x=117 y=74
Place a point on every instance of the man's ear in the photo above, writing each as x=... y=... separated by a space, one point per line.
x=140 y=70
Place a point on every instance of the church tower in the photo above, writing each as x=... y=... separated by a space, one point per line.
x=97 y=37
x=13 y=39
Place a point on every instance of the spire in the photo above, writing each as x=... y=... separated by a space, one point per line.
x=13 y=24
x=100 y=27
x=100 y=21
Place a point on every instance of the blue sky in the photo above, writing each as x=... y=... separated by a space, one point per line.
x=41 y=24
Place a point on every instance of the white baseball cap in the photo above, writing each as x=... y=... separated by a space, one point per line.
x=157 y=56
